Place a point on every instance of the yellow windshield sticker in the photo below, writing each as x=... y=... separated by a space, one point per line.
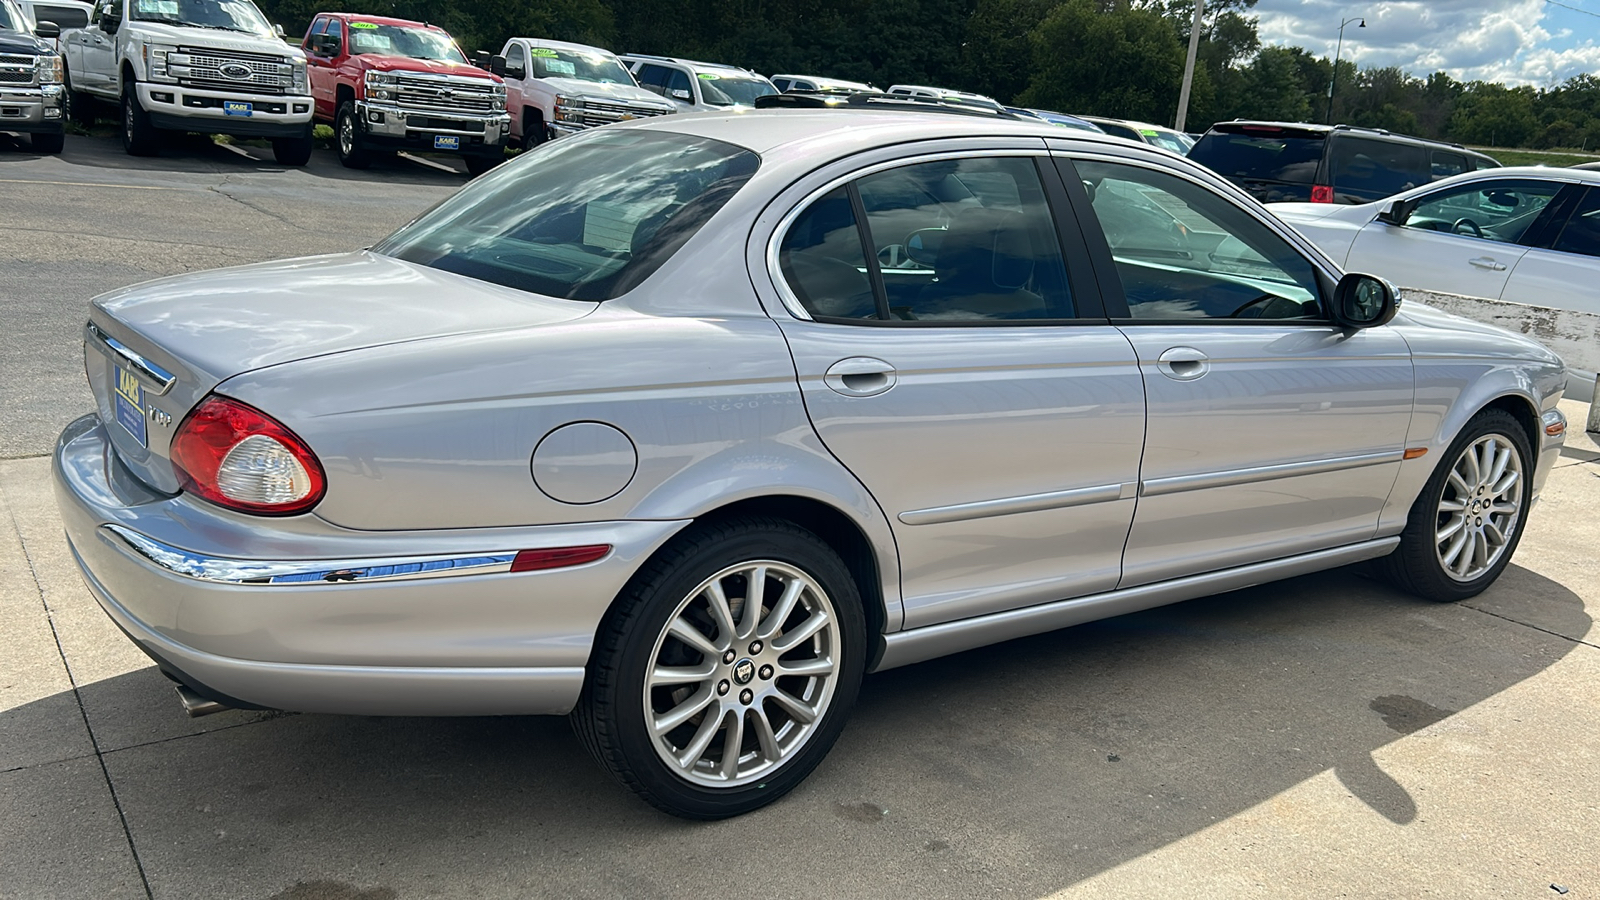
x=542 y=51
x=363 y=25
x=708 y=76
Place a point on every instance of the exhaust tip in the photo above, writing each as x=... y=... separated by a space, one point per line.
x=196 y=705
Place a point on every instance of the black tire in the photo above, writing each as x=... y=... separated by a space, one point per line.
x=610 y=715
x=1415 y=566
x=479 y=163
x=80 y=106
x=348 y=139
x=295 y=151
x=139 y=137
x=533 y=130
x=48 y=143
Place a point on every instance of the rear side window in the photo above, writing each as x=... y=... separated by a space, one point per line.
x=1367 y=169
x=592 y=218
x=1446 y=164
x=1582 y=232
x=1266 y=157
x=64 y=16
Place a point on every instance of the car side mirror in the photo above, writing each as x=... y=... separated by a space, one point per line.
x=497 y=66
x=278 y=30
x=518 y=72
x=110 y=21
x=1364 y=301
x=325 y=44
x=1396 y=212
x=47 y=30
x=683 y=95
x=922 y=246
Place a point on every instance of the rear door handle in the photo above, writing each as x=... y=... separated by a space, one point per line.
x=1183 y=363
x=1484 y=262
x=860 y=376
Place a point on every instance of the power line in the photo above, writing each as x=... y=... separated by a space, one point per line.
x=1573 y=8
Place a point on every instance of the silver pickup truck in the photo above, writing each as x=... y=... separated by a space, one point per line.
x=31 y=96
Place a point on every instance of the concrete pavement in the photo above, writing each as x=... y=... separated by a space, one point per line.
x=1322 y=737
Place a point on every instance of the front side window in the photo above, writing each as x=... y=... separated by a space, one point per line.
x=1184 y=252
x=373 y=38
x=1500 y=211
x=515 y=58
x=224 y=15
x=653 y=77
x=950 y=242
x=678 y=85
x=1370 y=169
x=597 y=215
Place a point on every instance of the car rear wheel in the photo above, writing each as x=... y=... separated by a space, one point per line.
x=139 y=136
x=295 y=151
x=79 y=106
x=347 y=138
x=727 y=670
x=1466 y=523
x=477 y=164
x=533 y=130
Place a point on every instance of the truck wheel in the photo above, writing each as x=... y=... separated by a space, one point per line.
x=347 y=131
x=726 y=670
x=478 y=164
x=48 y=143
x=1467 y=521
x=80 y=106
x=293 y=151
x=533 y=130
x=139 y=137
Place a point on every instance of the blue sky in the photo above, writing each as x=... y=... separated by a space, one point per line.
x=1513 y=41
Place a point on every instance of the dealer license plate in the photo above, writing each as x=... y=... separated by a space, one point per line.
x=127 y=400
x=237 y=108
x=446 y=142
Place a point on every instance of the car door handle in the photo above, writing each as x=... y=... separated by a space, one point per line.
x=1183 y=363
x=1484 y=262
x=860 y=376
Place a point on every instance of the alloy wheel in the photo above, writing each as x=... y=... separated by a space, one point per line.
x=1480 y=507
x=743 y=674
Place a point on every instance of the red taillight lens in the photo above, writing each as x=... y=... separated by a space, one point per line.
x=558 y=557
x=239 y=457
x=1321 y=193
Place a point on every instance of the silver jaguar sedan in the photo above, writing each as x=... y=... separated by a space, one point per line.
x=682 y=426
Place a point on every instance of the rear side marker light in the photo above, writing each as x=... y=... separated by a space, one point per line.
x=1321 y=193
x=558 y=557
x=1416 y=452
x=238 y=457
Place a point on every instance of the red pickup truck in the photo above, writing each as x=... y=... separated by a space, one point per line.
x=391 y=84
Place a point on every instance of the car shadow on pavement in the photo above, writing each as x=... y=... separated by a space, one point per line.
x=1013 y=770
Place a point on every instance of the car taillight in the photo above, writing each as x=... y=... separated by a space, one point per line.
x=1321 y=193
x=237 y=456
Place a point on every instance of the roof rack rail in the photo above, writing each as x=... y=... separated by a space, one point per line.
x=867 y=100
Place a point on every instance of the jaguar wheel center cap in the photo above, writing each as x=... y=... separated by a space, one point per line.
x=743 y=671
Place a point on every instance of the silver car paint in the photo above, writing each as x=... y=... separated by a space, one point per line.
x=694 y=369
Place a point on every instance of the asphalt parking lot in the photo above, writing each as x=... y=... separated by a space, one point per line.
x=1320 y=737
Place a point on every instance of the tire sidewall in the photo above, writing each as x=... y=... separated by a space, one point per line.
x=661 y=600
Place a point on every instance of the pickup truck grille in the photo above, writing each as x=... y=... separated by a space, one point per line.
x=458 y=95
x=594 y=113
x=17 y=69
x=203 y=68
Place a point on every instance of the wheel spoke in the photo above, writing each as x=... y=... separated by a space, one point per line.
x=808 y=668
x=664 y=675
x=1463 y=490
x=1452 y=506
x=692 y=636
x=718 y=603
x=684 y=711
x=765 y=737
x=754 y=592
x=731 y=743
x=1454 y=553
x=782 y=609
x=1497 y=538
x=802 y=713
x=1502 y=509
x=1480 y=550
x=1456 y=524
x=1505 y=483
x=789 y=640
x=1474 y=474
x=703 y=735
x=1498 y=468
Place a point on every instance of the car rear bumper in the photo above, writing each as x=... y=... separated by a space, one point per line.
x=32 y=110
x=298 y=614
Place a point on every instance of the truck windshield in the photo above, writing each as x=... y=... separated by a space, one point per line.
x=380 y=39
x=9 y=22
x=550 y=63
x=722 y=90
x=225 y=15
x=586 y=218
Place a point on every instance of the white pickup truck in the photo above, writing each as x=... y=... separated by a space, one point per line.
x=212 y=66
x=555 y=88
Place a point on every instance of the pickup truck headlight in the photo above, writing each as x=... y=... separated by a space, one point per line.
x=498 y=98
x=569 y=109
x=155 y=61
x=300 y=82
x=50 y=69
x=379 y=85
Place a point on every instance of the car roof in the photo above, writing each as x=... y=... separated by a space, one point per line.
x=381 y=20
x=689 y=63
x=562 y=45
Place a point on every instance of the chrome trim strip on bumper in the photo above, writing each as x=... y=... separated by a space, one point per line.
x=162 y=379
x=983 y=509
x=906 y=647
x=1155 y=487
x=304 y=572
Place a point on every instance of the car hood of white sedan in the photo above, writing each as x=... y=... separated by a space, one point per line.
x=234 y=320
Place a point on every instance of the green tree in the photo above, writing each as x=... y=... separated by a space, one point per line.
x=1125 y=63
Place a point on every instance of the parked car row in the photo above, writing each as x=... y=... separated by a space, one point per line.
x=32 y=99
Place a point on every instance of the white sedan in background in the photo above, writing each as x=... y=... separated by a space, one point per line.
x=1523 y=235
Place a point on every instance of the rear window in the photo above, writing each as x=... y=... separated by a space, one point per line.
x=587 y=218
x=1365 y=169
x=64 y=16
x=1264 y=156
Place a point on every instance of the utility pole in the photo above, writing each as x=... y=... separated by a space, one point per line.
x=1188 y=68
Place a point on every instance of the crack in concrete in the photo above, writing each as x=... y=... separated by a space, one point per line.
x=218 y=189
x=1565 y=637
x=77 y=696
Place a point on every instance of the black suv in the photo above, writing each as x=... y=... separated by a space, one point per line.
x=1289 y=161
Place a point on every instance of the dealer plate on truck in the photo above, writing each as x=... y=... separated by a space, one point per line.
x=237 y=108
x=446 y=142
x=127 y=398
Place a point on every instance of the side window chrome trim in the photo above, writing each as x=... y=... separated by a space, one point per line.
x=775 y=243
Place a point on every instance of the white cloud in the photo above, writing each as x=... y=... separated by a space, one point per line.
x=1508 y=43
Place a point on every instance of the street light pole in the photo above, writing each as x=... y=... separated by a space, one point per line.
x=1328 y=119
x=1188 y=69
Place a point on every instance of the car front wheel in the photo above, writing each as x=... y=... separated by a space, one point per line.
x=139 y=136
x=1465 y=525
x=727 y=670
x=347 y=138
